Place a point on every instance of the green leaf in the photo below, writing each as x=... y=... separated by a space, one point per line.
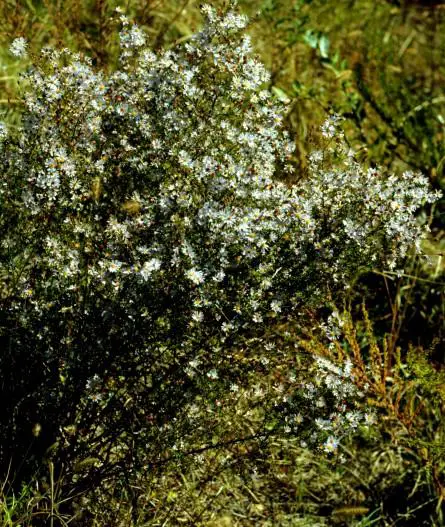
x=323 y=46
x=311 y=38
x=281 y=94
x=297 y=87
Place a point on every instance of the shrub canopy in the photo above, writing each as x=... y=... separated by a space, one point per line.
x=144 y=234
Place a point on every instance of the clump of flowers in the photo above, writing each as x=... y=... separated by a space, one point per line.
x=18 y=47
x=143 y=229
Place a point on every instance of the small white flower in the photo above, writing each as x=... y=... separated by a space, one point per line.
x=197 y=277
x=197 y=316
x=3 y=132
x=212 y=374
x=316 y=156
x=194 y=363
x=370 y=419
x=219 y=277
x=226 y=327
x=257 y=318
x=93 y=383
x=18 y=47
x=275 y=305
x=137 y=37
x=114 y=266
x=331 y=445
x=149 y=267
x=298 y=419
x=328 y=129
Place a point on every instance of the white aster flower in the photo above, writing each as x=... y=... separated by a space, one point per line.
x=197 y=316
x=114 y=266
x=330 y=445
x=197 y=277
x=149 y=267
x=18 y=47
x=3 y=131
x=219 y=277
x=257 y=318
x=226 y=327
x=212 y=374
x=275 y=305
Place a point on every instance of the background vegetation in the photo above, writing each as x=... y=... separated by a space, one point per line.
x=381 y=65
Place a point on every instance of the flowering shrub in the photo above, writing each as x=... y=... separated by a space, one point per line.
x=144 y=236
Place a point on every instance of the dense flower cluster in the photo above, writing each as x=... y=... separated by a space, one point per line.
x=142 y=226
x=18 y=47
